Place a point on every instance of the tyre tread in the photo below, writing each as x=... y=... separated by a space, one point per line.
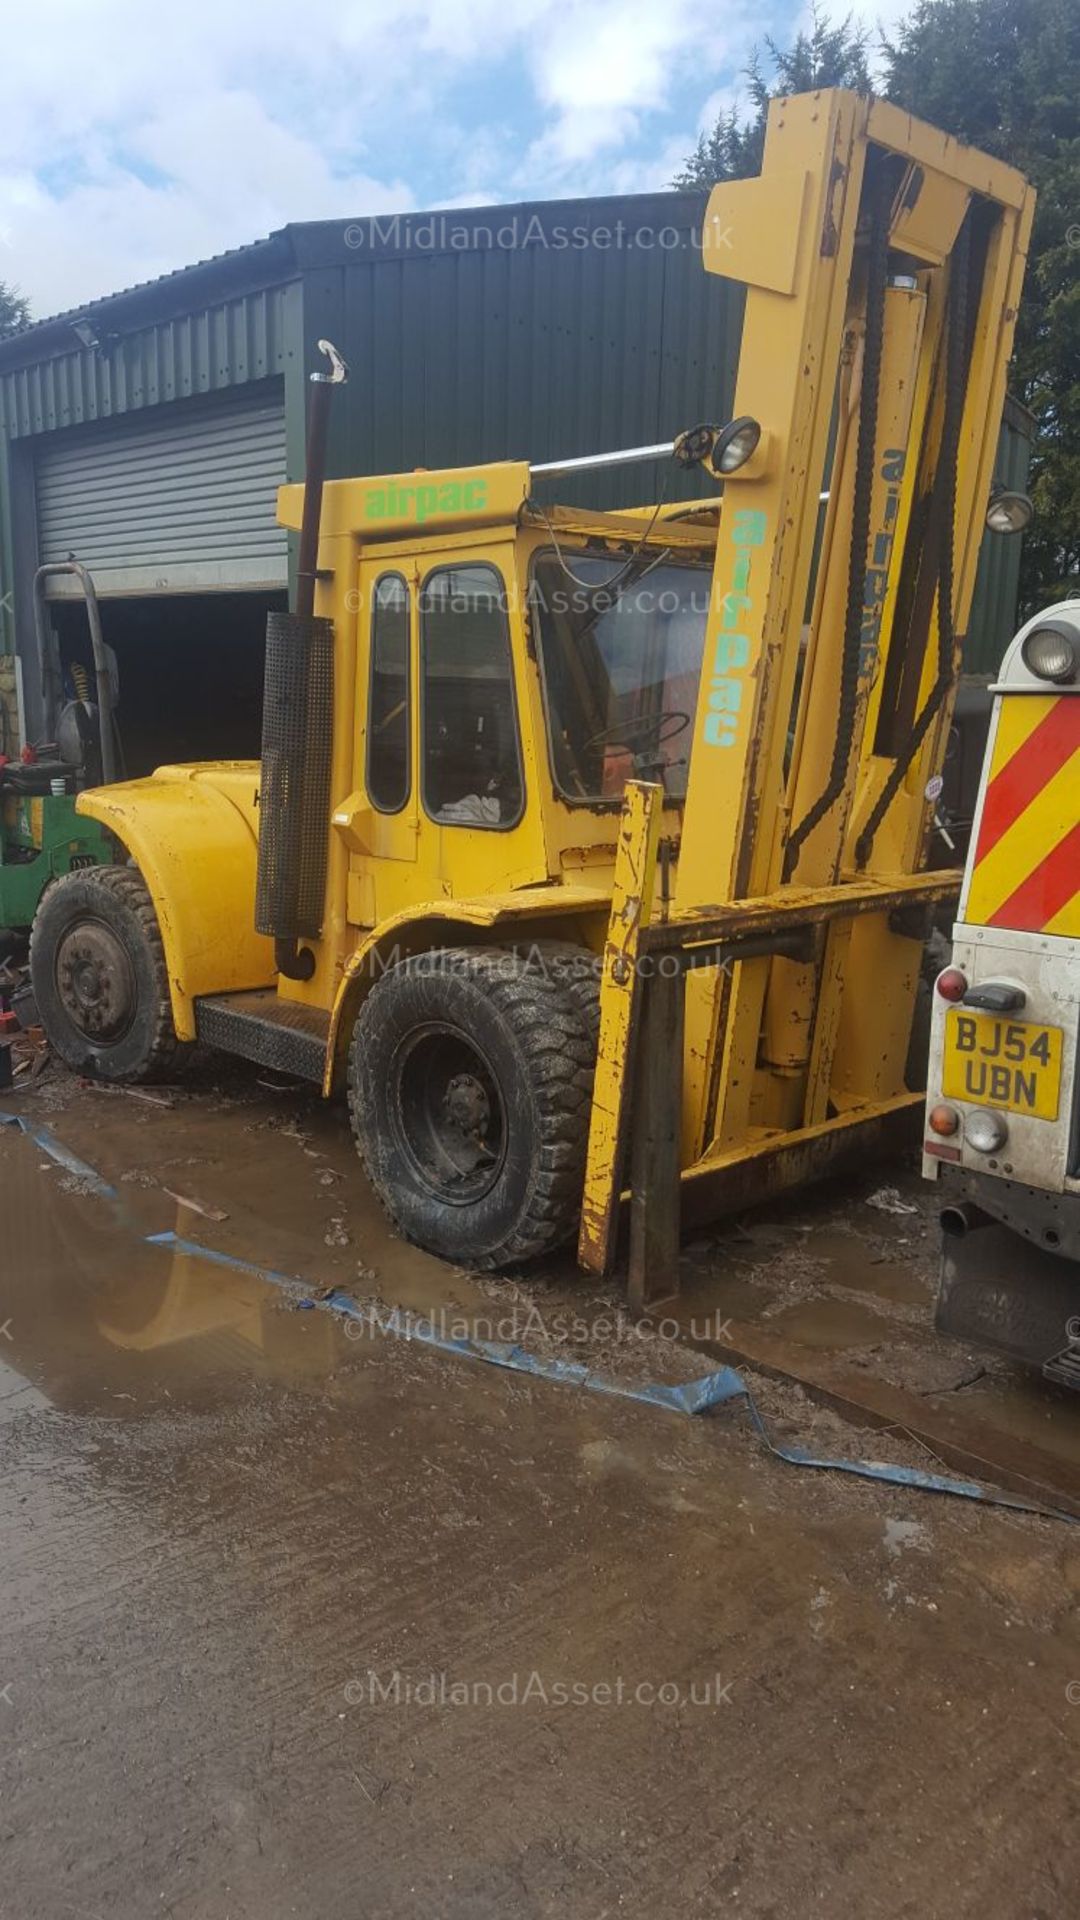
x=127 y=886
x=554 y=1036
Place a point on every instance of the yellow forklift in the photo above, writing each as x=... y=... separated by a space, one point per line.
x=596 y=849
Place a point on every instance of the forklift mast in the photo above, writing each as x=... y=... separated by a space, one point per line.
x=883 y=262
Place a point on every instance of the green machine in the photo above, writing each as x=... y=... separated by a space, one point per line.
x=41 y=835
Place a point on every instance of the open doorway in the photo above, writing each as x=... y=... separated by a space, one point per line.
x=190 y=671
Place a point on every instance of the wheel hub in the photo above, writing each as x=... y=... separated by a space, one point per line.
x=95 y=981
x=466 y=1105
x=449 y=1114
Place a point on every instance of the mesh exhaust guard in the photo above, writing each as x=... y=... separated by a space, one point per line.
x=294 y=794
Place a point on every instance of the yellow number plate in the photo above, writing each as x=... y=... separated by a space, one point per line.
x=1002 y=1063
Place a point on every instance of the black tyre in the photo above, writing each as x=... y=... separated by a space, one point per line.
x=577 y=971
x=98 y=971
x=470 y=1085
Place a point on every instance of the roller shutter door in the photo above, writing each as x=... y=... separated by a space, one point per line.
x=181 y=501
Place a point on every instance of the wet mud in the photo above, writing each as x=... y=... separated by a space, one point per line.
x=297 y=1622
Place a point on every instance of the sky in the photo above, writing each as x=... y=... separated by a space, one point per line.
x=135 y=140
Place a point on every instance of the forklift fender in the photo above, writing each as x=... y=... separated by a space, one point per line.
x=193 y=834
x=533 y=913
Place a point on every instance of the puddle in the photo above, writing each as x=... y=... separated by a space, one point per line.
x=899 y=1286
x=104 y=1322
x=830 y=1326
x=94 y=1320
x=17 y=1395
x=277 y=1184
x=853 y=1265
x=1027 y=1408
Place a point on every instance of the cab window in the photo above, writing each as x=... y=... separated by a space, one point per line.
x=620 y=655
x=471 y=750
x=388 y=770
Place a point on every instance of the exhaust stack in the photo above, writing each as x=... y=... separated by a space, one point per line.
x=298 y=715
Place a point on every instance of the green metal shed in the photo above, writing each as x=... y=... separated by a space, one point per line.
x=147 y=432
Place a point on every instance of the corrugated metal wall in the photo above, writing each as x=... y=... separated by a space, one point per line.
x=534 y=350
x=221 y=346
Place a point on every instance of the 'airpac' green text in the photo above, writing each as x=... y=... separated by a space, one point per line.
x=423 y=502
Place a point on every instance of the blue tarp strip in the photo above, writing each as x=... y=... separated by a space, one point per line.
x=44 y=1138
x=693 y=1397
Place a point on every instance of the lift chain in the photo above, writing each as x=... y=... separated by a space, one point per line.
x=876 y=270
x=955 y=389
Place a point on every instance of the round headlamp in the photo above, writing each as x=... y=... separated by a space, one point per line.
x=1049 y=652
x=734 y=444
x=1009 y=512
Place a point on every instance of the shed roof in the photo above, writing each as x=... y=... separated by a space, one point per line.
x=310 y=245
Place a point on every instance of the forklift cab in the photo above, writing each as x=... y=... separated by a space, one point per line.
x=511 y=679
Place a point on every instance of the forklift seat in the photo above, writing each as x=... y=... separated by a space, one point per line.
x=34 y=778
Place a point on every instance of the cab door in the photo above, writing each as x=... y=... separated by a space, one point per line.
x=382 y=824
x=447 y=799
x=478 y=781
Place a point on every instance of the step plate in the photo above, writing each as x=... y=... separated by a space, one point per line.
x=260 y=1026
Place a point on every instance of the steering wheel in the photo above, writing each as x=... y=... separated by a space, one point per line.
x=638 y=736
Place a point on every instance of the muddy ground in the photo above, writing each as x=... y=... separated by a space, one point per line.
x=303 y=1618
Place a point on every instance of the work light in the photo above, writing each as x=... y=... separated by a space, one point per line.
x=1050 y=653
x=734 y=444
x=1009 y=512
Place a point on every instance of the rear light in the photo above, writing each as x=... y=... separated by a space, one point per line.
x=944 y=1120
x=952 y=984
x=985 y=1131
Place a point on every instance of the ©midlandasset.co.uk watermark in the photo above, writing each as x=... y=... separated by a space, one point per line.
x=450 y=233
x=561 y=968
x=519 y=1325
x=397 y=1689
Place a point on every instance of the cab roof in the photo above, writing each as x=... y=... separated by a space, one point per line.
x=397 y=506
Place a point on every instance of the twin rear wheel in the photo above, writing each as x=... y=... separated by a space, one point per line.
x=470 y=1089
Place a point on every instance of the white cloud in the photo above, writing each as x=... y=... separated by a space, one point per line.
x=199 y=129
x=228 y=174
x=615 y=60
